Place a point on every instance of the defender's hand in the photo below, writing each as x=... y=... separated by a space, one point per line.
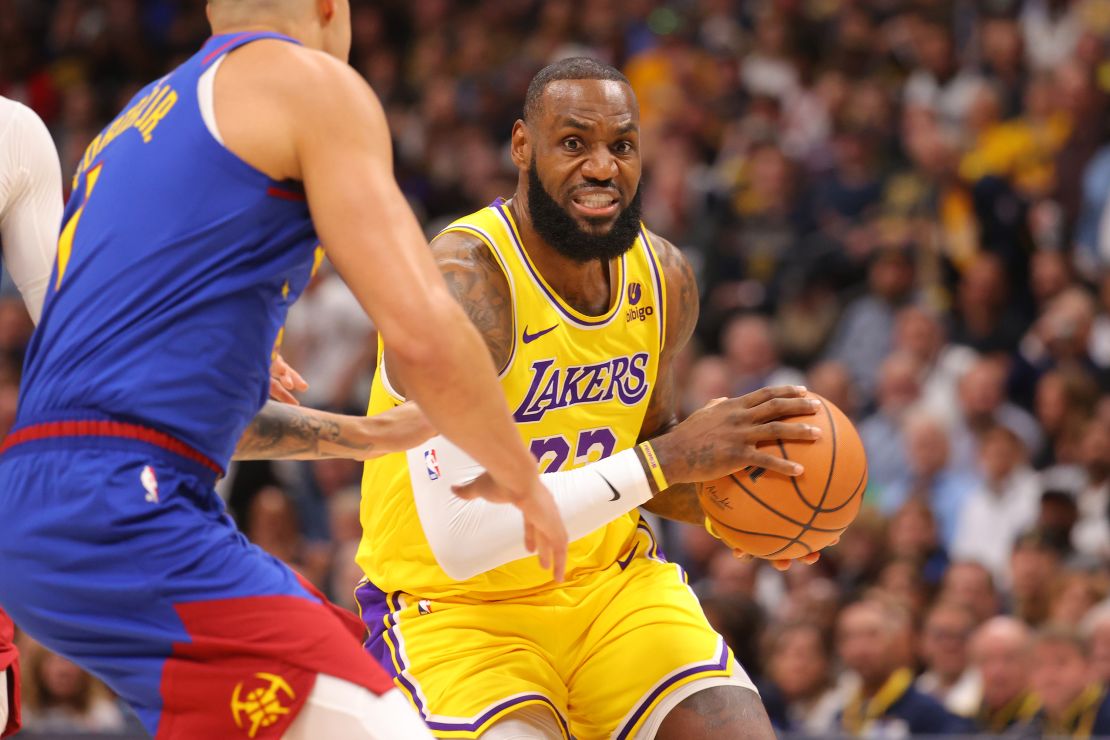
x=284 y=380
x=544 y=532
x=721 y=438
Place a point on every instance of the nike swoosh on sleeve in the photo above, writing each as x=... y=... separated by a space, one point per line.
x=616 y=493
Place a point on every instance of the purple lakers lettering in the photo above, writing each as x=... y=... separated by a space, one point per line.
x=623 y=378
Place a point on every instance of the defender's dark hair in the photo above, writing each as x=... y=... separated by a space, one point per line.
x=572 y=68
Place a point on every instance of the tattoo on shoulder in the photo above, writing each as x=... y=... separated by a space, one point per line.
x=478 y=284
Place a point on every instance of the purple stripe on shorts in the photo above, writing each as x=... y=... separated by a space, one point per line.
x=720 y=665
x=374 y=610
x=379 y=615
x=393 y=601
x=495 y=710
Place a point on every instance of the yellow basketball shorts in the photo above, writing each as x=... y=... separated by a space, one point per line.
x=601 y=651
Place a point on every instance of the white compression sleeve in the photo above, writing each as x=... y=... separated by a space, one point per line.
x=30 y=201
x=472 y=537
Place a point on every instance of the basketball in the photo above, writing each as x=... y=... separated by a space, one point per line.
x=775 y=516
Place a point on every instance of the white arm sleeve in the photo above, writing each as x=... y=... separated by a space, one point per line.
x=30 y=201
x=472 y=537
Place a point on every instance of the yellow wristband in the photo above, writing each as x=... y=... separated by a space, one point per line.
x=653 y=465
x=709 y=528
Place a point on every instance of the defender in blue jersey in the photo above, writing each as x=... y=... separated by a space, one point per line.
x=195 y=220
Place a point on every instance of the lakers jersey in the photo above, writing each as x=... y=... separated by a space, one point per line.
x=578 y=387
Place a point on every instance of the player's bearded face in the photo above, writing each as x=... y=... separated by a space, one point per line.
x=556 y=226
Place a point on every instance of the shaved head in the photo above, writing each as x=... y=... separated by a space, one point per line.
x=248 y=9
x=1006 y=631
x=318 y=24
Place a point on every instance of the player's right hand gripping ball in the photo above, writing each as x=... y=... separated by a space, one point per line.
x=773 y=516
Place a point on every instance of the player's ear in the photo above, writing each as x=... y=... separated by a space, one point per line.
x=325 y=9
x=520 y=146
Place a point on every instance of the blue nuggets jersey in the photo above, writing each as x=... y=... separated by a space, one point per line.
x=176 y=264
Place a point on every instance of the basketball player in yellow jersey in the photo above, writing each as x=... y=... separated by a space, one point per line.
x=584 y=311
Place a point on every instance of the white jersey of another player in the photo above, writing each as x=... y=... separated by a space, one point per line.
x=30 y=201
x=30 y=216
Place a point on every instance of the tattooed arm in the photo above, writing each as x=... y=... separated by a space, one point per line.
x=480 y=287
x=284 y=432
x=680 y=501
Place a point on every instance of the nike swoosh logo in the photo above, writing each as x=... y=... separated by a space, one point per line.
x=616 y=493
x=529 y=338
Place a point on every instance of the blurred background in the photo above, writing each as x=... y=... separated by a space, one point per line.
x=901 y=204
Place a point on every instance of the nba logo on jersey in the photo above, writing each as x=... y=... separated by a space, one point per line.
x=150 y=484
x=432 y=464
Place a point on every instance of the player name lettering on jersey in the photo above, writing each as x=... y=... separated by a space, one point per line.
x=623 y=378
x=144 y=115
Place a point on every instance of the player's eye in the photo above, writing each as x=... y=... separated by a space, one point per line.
x=572 y=144
x=624 y=147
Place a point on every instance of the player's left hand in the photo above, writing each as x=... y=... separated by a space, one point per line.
x=284 y=380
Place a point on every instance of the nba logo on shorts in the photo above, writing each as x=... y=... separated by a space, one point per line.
x=150 y=484
x=635 y=290
x=432 y=464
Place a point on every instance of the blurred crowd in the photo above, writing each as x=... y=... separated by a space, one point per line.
x=901 y=204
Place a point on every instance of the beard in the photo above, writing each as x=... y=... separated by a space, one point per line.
x=559 y=229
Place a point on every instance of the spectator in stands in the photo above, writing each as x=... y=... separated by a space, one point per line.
x=1057 y=518
x=986 y=320
x=1002 y=653
x=864 y=335
x=970 y=585
x=949 y=677
x=920 y=333
x=929 y=476
x=938 y=84
x=897 y=391
x=873 y=642
x=1060 y=338
x=859 y=556
x=1064 y=401
x=1074 y=595
x=708 y=379
x=1074 y=705
x=749 y=349
x=58 y=697
x=912 y=536
x=1034 y=566
x=832 y=380
x=1003 y=506
x=1096 y=628
x=1091 y=536
x=983 y=405
x=801 y=693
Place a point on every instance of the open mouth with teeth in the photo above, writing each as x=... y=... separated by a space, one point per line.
x=596 y=204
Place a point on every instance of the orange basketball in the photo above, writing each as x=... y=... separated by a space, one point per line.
x=775 y=516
